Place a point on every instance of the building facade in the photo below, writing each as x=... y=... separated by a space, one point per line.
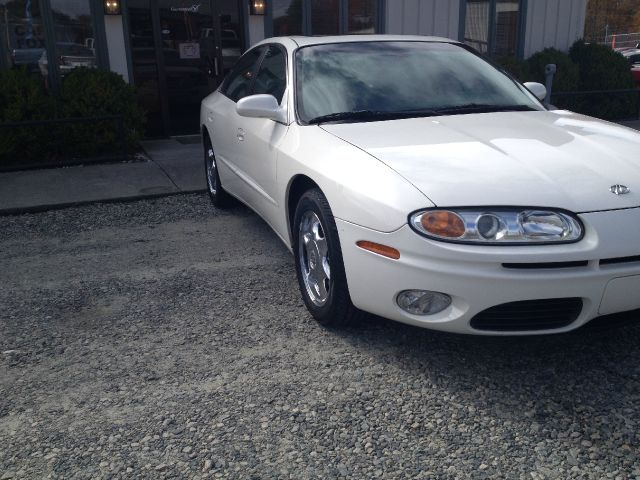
x=177 y=51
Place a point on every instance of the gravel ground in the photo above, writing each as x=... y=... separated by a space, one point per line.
x=163 y=339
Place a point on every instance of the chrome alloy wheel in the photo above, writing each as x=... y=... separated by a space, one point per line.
x=212 y=180
x=313 y=252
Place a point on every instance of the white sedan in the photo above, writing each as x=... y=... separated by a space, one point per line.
x=414 y=180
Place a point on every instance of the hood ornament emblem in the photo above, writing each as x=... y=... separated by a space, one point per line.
x=619 y=189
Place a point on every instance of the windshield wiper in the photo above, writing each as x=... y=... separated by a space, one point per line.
x=376 y=115
x=369 y=115
x=482 y=108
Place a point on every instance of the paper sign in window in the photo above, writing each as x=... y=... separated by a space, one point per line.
x=189 y=51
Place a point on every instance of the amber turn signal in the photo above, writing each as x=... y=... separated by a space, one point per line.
x=443 y=224
x=383 y=250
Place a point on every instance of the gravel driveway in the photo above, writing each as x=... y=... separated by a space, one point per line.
x=163 y=339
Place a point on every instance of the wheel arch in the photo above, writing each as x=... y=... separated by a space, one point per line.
x=205 y=134
x=298 y=185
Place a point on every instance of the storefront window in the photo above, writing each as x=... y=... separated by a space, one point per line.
x=476 y=25
x=491 y=26
x=22 y=34
x=287 y=17
x=325 y=17
x=363 y=16
x=74 y=36
x=507 y=19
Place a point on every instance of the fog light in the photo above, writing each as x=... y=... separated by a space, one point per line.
x=422 y=302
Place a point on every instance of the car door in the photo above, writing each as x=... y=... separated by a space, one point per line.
x=223 y=118
x=258 y=138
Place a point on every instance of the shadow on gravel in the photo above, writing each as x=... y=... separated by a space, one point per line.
x=579 y=375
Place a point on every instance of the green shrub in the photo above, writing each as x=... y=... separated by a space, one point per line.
x=91 y=93
x=516 y=67
x=23 y=98
x=84 y=93
x=567 y=76
x=603 y=69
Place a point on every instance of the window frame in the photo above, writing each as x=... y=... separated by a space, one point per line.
x=522 y=26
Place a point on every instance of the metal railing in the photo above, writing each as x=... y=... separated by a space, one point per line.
x=60 y=145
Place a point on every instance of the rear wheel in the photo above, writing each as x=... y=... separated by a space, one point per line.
x=219 y=197
x=319 y=264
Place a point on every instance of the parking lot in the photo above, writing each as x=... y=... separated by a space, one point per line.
x=164 y=339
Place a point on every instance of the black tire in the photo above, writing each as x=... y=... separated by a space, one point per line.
x=219 y=197
x=335 y=309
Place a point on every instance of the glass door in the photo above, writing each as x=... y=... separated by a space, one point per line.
x=180 y=54
x=189 y=57
x=231 y=33
x=146 y=73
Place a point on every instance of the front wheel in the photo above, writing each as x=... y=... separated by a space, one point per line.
x=219 y=197
x=319 y=264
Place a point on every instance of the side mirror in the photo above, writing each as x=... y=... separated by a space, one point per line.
x=539 y=90
x=262 y=106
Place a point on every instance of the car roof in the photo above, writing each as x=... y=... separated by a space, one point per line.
x=303 y=41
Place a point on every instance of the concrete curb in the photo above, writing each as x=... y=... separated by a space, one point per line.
x=61 y=206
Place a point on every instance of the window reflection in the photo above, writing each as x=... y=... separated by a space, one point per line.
x=507 y=19
x=75 y=41
x=325 y=17
x=491 y=26
x=287 y=17
x=362 y=16
x=22 y=33
x=271 y=79
x=347 y=77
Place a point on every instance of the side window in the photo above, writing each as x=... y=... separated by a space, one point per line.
x=238 y=83
x=272 y=76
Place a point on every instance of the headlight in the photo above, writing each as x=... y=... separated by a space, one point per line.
x=498 y=226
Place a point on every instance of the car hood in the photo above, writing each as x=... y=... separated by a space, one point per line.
x=543 y=159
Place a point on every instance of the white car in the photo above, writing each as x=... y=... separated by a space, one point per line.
x=413 y=180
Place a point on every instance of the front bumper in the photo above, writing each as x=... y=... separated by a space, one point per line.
x=475 y=278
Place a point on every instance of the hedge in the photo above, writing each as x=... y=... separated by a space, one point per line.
x=566 y=78
x=603 y=69
x=586 y=67
x=84 y=93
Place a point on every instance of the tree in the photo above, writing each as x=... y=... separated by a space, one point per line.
x=611 y=16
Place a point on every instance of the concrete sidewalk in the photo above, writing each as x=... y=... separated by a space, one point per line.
x=173 y=168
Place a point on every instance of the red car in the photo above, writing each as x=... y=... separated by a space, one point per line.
x=635 y=71
x=633 y=56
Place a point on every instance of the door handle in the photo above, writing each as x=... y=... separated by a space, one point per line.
x=215 y=66
x=240 y=135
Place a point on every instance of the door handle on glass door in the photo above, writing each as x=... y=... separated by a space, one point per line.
x=240 y=135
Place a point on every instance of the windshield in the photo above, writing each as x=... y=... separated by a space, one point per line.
x=385 y=77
